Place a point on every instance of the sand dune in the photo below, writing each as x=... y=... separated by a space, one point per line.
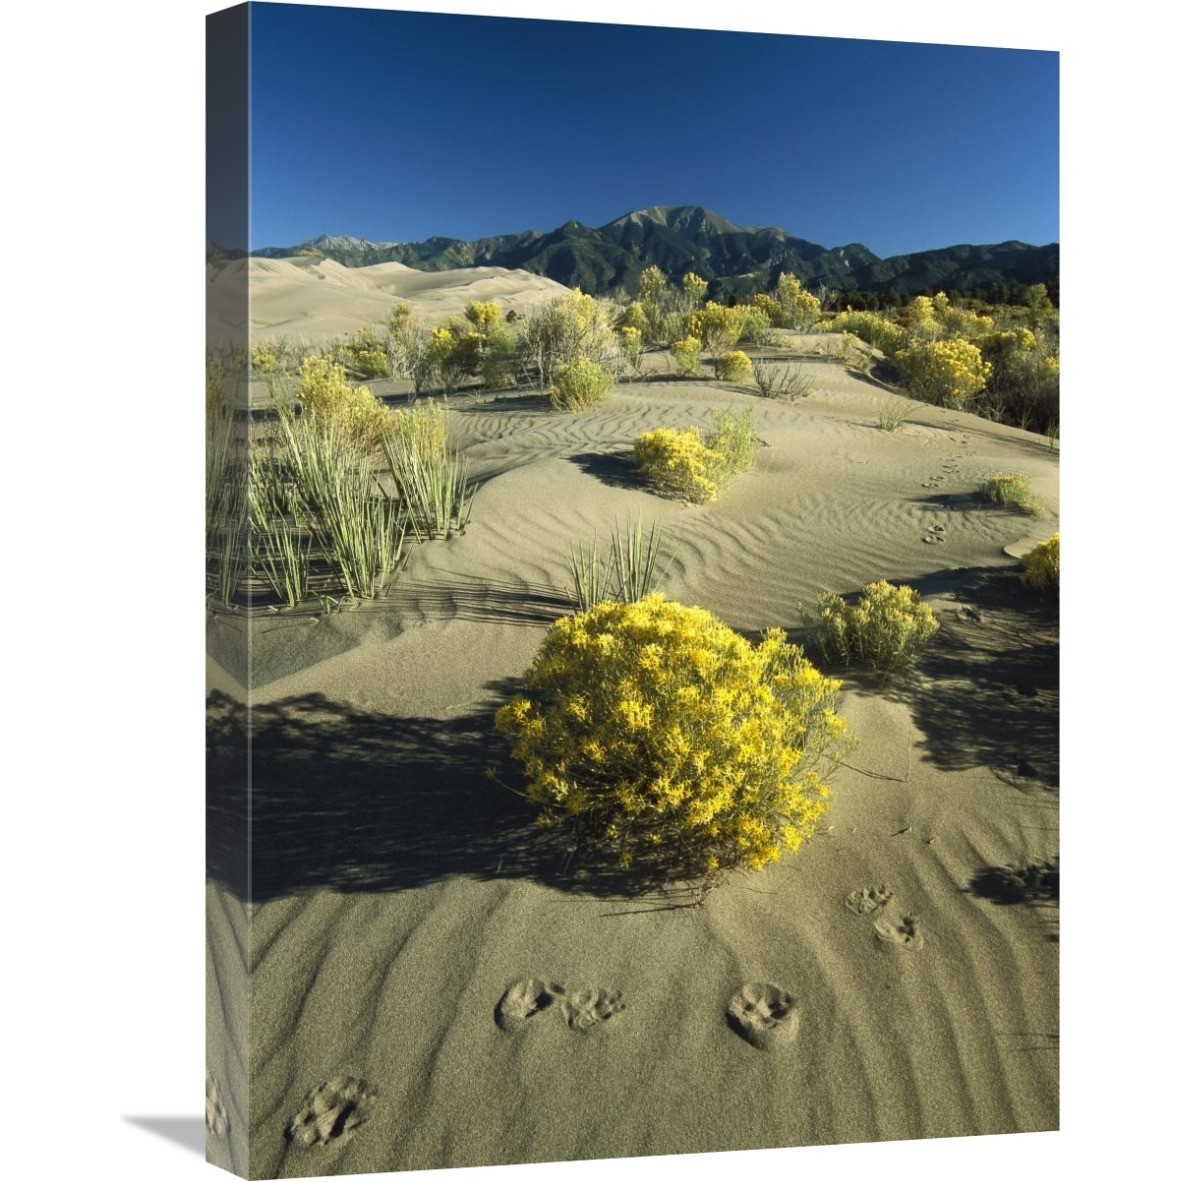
x=431 y=986
x=319 y=298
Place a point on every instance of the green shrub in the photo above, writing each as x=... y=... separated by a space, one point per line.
x=570 y=327
x=324 y=476
x=578 y=384
x=733 y=441
x=885 y=630
x=431 y=477
x=665 y=738
x=1011 y=489
x=687 y=353
x=1040 y=568
x=733 y=366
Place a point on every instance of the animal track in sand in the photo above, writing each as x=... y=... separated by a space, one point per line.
x=892 y=928
x=903 y=934
x=581 y=1009
x=522 y=1000
x=585 y=1008
x=935 y=533
x=332 y=1112
x=760 y=1010
x=868 y=899
x=216 y=1120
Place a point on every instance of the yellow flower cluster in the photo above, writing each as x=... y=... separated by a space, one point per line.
x=733 y=366
x=677 y=462
x=325 y=394
x=877 y=331
x=672 y=737
x=946 y=372
x=1040 y=568
x=686 y=353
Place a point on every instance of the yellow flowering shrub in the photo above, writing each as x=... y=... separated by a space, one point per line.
x=884 y=630
x=1040 y=568
x=947 y=373
x=663 y=736
x=687 y=353
x=578 y=384
x=263 y=359
x=733 y=366
x=677 y=462
x=800 y=309
x=877 y=331
x=683 y=464
x=325 y=395
x=718 y=328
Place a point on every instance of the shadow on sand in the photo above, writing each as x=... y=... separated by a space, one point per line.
x=354 y=801
x=986 y=693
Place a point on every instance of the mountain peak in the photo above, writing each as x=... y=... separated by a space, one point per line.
x=693 y=219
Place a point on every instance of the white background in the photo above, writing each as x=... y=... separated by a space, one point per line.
x=101 y=273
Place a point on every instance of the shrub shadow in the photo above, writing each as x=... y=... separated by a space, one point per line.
x=612 y=468
x=333 y=797
x=986 y=692
x=1037 y=882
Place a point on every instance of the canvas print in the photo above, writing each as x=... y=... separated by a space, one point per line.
x=632 y=587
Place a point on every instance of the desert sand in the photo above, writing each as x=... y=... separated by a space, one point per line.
x=318 y=299
x=433 y=986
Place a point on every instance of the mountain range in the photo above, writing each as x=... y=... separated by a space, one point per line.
x=735 y=260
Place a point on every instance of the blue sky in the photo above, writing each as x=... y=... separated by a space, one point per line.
x=399 y=126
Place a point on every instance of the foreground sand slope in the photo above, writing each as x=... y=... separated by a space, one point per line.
x=400 y=892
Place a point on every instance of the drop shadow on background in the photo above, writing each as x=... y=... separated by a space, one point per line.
x=186 y=1131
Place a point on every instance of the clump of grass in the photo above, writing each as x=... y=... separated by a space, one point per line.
x=1040 y=568
x=1011 y=489
x=885 y=630
x=227 y=521
x=626 y=575
x=895 y=415
x=339 y=499
x=785 y=382
x=431 y=477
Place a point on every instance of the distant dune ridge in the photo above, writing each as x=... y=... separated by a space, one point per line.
x=433 y=987
x=319 y=299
